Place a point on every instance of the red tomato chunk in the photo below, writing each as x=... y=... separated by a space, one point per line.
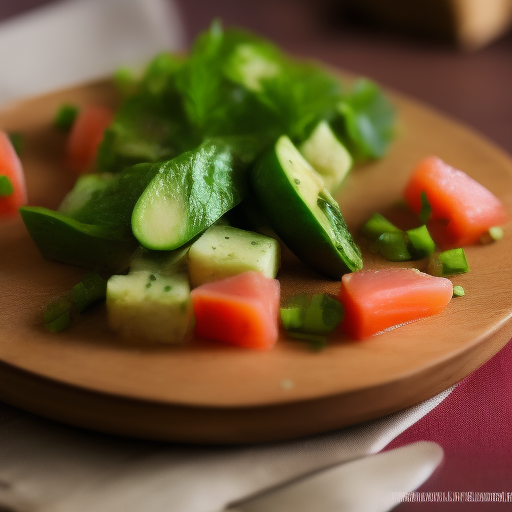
x=10 y=167
x=375 y=300
x=241 y=310
x=462 y=209
x=85 y=137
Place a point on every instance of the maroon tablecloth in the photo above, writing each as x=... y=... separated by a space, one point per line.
x=474 y=427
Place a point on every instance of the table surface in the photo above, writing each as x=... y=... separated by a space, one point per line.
x=473 y=88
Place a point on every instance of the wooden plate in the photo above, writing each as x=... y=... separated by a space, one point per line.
x=219 y=394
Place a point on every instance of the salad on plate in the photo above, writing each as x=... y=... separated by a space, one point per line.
x=213 y=165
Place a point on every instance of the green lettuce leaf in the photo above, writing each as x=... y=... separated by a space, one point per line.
x=365 y=121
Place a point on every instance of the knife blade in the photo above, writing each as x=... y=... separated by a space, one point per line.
x=370 y=484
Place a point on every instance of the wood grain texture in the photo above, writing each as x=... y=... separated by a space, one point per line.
x=210 y=393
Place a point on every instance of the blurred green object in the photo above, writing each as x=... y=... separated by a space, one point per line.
x=65 y=117
x=16 y=139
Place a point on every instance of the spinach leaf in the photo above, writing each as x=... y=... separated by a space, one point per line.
x=150 y=125
x=365 y=121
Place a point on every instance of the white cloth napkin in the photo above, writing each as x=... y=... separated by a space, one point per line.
x=79 y=40
x=45 y=466
x=48 y=467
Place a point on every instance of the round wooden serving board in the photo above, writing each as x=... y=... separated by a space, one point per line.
x=211 y=393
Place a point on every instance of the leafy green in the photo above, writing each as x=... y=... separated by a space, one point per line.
x=365 y=121
x=112 y=205
x=300 y=96
x=150 y=126
x=188 y=122
x=235 y=83
x=215 y=102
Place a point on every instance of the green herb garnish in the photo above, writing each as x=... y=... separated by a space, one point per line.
x=458 y=291
x=17 y=141
x=65 y=117
x=6 y=188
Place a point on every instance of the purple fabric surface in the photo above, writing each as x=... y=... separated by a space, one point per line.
x=474 y=427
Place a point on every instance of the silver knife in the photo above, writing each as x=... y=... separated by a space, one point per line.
x=374 y=483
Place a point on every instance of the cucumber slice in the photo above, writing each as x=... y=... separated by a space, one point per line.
x=152 y=303
x=224 y=251
x=302 y=212
x=328 y=156
x=190 y=193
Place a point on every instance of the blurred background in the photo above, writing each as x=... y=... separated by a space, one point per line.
x=455 y=55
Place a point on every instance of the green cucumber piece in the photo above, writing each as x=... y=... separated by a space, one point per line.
x=64 y=239
x=224 y=251
x=191 y=192
x=152 y=303
x=302 y=212
x=327 y=155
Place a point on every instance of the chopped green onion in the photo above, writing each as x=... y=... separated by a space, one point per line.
x=420 y=242
x=315 y=342
x=393 y=247
x=16 y=139
x=87 y=293
x=6 y=188
x=448 y=263
x=493 y=235
x=57 y=316
x=426 y=209
x=320 y=314
x=323 y=315
x=377 y=225
x=293 y=313
x=65 y=117
x=496 y=233
x=458 y=291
